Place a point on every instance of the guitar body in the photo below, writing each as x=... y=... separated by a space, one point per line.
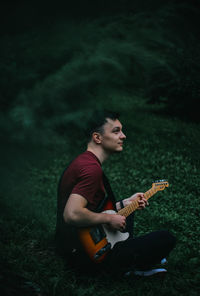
x=98 y=240
x=94 y=242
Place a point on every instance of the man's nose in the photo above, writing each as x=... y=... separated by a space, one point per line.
x=122 y=135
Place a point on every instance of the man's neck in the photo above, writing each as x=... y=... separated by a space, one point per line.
x=100 y=154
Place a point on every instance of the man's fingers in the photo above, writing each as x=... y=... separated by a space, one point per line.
x=141 y=194
x=124 y=224
x=123 y=227
x=143 y=203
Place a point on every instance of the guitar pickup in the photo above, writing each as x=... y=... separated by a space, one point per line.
x=102 y=251
x=97 y=234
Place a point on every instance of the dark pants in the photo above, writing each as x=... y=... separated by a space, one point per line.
x=142 y=252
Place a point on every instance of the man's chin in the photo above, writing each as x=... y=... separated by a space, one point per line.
x=120 y=149
x=116 y=150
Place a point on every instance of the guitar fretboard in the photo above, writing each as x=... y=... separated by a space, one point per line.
x=134 y=205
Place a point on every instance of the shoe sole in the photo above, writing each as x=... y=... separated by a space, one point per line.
x=160 y=274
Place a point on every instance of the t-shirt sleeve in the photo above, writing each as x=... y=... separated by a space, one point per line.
x=89 y=182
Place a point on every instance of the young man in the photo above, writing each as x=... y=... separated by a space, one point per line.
x=82 y=189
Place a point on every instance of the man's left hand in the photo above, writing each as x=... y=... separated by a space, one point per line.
x=142 y=202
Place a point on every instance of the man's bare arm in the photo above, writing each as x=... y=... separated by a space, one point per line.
x=77 y=214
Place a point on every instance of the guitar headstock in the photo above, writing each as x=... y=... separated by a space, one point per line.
x=160 y=185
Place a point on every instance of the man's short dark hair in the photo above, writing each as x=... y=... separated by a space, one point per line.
x=97 y=119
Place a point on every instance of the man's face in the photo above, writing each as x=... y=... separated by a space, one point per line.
x=112 y=138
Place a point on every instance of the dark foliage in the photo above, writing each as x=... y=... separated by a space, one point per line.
x=55 y=68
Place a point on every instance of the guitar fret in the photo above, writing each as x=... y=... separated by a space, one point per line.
x=128 y=209
x=148 y=194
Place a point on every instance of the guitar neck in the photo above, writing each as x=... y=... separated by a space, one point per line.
x=126 y=211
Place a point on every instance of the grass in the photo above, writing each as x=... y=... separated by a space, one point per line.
x=157 y=147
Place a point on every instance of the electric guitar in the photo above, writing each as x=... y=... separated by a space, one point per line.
x=98 y=240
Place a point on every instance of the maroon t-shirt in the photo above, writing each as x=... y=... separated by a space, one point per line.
x=83 y=176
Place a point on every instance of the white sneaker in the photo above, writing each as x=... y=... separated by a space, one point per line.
x=163 y=261
x=155 y=271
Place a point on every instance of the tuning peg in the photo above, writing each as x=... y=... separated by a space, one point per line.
x=157 y=181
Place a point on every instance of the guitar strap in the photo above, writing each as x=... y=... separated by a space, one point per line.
x=108 y=196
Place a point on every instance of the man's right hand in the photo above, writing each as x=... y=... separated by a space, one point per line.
x=117 y=222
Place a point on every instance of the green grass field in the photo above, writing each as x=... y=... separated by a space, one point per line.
x=157 y=147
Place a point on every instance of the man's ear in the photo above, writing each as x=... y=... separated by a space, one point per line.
x=96 y=137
